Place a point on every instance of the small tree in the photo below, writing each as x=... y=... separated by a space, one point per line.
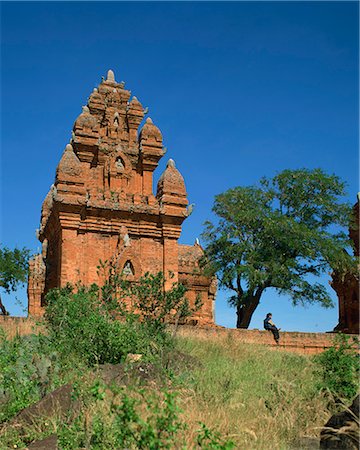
x=157 y=305
x=276 y=235
x=145 y=297
x=339 y=366
x=13 y=270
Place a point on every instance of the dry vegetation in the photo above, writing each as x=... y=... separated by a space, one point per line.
x=134 y=386
x=247 y=394
x=252 y=395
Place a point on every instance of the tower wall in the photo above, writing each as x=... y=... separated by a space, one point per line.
x=102 y=206
x=347 y=287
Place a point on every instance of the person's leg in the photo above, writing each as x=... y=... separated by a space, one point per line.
x=275 y=333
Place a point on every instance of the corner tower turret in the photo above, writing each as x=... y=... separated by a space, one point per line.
x=171 y=192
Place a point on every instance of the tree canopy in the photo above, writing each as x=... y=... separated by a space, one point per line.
x=276 y=235
x=13 y=270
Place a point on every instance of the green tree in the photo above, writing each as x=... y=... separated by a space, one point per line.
x=277 y=235
x=13 y=270
x=146 y=296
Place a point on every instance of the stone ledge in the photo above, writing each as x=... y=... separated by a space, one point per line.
x=292 y=341
x=20 y=326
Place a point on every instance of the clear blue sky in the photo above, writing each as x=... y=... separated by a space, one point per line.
x=239 y=90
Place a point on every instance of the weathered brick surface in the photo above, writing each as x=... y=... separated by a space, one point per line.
x=13 y=326
x=347 y=288
x=297 y=342
x=102 y=206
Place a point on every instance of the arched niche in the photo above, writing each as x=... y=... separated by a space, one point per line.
x=128 y=261
x=120 y=165
x=128 y=269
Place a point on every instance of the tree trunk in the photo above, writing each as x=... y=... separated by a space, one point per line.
x=3 y=309
x=246 y=310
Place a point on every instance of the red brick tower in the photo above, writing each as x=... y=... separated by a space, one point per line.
x=102 y=205
x=347 y=287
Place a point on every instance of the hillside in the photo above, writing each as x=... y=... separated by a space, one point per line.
x=101 y=377
x=247 y=394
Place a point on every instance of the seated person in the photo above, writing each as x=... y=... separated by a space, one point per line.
x=270 y=326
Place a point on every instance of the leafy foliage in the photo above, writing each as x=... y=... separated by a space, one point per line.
x=209 y=439
x=13 y=270
x=140 y=419
x=13 y=267
x=16 y=369
x=278 y=234
x=80 y=322
x=157 y=305
x=146 y=298
x=130 y=429
x=339 y=368
x=30 y=367
x=104 y=325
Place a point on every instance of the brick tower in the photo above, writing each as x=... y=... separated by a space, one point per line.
x=347 y=287
x=102 y=206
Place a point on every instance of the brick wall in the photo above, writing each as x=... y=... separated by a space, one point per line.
x=13 y=326
x=297 y=342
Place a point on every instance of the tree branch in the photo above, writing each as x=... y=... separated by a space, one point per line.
x=230 y=286
x=3 y=310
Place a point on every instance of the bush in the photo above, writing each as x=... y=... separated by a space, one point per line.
x=146 y=297
x=81 y=323
x=30 y=367
x=24 y=366
x=339 y=368
x=104 y=325
x=134 y=419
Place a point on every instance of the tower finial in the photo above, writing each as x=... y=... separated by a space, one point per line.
x=110 y=76
x=171 y=163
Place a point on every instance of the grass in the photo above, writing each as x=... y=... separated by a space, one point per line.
x=251 y=395
x=214 y=393
x=244 y=393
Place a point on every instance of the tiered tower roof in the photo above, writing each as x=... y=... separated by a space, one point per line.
x=110 y=160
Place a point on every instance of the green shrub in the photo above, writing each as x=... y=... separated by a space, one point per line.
x=134 y=419
x=339 y=368
x=17 y=387
x=81 y=323
x=104 y=325
x=209 y=439
x=30 y=367
x=146 y=297
x=155 y=305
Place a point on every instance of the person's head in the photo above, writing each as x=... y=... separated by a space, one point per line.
x=268 y=315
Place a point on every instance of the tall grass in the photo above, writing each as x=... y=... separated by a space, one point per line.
x=227 y=391
x=243 y=393
x=256 y=397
